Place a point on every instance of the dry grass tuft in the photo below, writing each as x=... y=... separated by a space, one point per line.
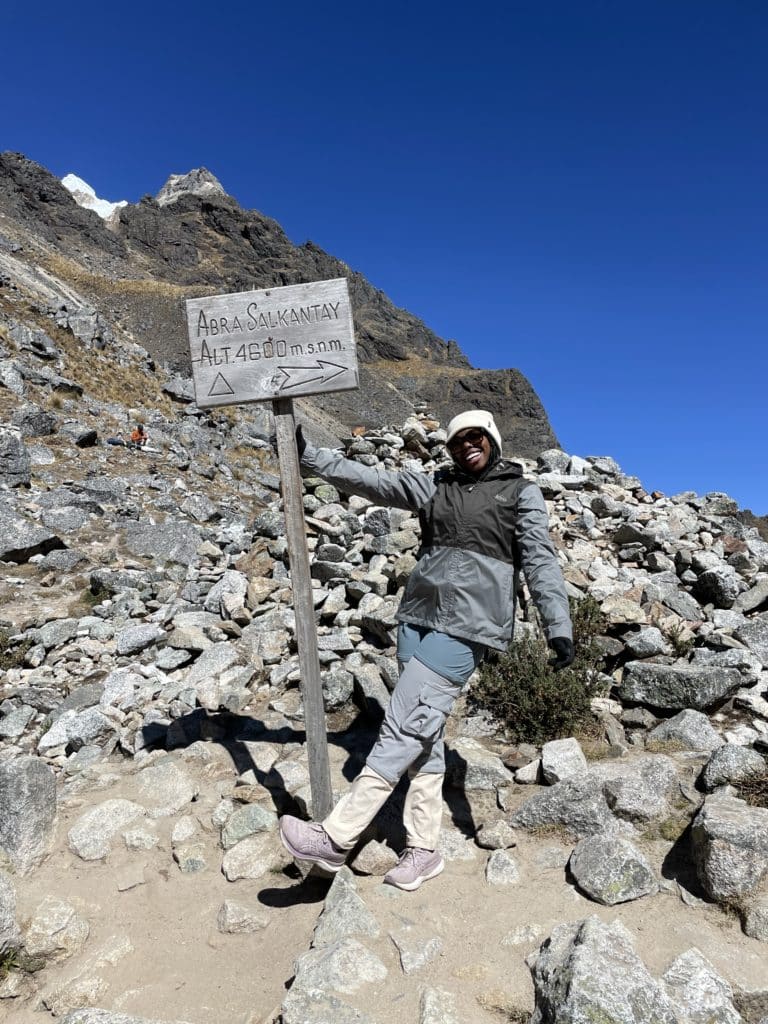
x=77 y=276
x=754 y=789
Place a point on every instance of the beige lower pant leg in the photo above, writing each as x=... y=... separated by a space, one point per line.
x=423 y=811
x=357 y=808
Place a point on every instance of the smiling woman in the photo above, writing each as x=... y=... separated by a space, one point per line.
x=481 y=522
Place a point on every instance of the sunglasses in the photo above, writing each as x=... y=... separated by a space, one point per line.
x=468 y=437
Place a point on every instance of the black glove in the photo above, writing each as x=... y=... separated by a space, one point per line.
x=564 y=652
x=301 y=442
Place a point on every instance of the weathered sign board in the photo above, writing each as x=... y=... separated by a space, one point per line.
x=274 y=343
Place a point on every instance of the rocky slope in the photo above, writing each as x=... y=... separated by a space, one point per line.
x=194 y=239
x=151 y=727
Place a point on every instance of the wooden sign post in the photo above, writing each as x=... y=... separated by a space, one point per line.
x=275 y=344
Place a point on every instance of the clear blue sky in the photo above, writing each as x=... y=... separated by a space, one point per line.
x=578 y=190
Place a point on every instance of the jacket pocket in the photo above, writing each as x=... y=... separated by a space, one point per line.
x=427 y=719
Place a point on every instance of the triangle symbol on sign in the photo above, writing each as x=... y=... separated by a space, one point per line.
x=220 y=386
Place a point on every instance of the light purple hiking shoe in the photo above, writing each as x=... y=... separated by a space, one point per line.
x=308 y=841
x=414 y=867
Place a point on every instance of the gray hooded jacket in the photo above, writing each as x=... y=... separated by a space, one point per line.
x=475 y=534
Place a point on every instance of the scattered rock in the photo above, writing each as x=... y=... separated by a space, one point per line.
x=27 y=811
x=589 y=971
x=611 y=870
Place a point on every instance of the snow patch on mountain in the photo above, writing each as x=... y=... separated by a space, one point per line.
x=85 y=196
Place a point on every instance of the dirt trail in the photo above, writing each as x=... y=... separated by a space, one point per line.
x=181 y=967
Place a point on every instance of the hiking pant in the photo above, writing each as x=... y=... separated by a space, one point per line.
x=410 y=739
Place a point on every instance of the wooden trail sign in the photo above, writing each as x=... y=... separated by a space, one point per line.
x=276 y=344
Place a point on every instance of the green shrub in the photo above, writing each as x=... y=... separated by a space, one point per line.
x=682 y=645
x=9 y=961
x=531 y=701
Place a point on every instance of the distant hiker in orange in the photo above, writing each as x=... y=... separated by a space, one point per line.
x=138 y=436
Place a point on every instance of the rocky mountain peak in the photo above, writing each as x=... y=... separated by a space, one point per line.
x=198 y=182
x=134 y=270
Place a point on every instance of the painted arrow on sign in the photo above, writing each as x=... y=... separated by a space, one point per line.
x=295 y=376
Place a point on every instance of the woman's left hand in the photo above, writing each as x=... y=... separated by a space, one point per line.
x=564 y=652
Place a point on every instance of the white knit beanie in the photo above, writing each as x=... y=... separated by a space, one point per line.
x=474 y=418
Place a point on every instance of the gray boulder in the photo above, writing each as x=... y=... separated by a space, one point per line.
x=754 y=635
x=56 y=931
x=34 y=340
x=269 y=523
x=56 y=633
x=343 y=966
x=170 y=542
x=611 y=870
x=719 y=586
x=76 y=729
x=697 y=991
x=633 y=799
x=180 y=388
x=81 y=436
x=497 y=835
x=313 y=1006
x=254 y=857
x=27 y=811
x=66 y=519
x=501 y=868
x=20 y=538
x=553 y=460
x=437 y=1006
x=165 y=788
x=236 y=919
x=247 y=821
x=676 y=599
x=588 y=971
x=134 y=639
x=344 y=913
x=14 y=722
x=755 y=918
x=12 y=378
x=730 y=846
x=689 y=730
x=9 y=929
x=646 y=642
x=730 y=764
x=15 y=464
x=338 y=685
x=371 y=691
x=92 y=834
x=381 y=620
x=675 y=687
x=233 y=583
x=578 y=805
x=200 y=508
x=213 y=662
x=471 y=766
x=756 y=596
x=638 y=788
x=33 y=421
x=562 y=759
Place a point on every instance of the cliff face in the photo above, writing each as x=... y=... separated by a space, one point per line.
x=194 y=239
